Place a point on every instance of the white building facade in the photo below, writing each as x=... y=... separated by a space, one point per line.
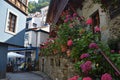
x=37 y=31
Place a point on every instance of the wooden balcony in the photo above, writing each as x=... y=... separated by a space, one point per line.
x=23 y=7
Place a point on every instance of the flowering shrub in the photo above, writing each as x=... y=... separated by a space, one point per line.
x=81 y=45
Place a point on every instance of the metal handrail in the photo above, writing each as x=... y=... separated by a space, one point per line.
x=110 y=62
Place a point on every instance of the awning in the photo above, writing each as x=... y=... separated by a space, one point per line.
x=15 y=55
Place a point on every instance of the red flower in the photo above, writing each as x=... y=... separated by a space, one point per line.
x=89 y=21
x=93 y=46
x=97 y=29
x=84 y=56
x=75 y=14
x=106 y=76
x=69 y=43
x=74 y=78
x=86 y=67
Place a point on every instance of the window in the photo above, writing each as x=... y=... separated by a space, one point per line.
x=27 y=24
x=96 y=20
x=26 y=37
x=52 y=62
x=11 y=22
x=34 y=25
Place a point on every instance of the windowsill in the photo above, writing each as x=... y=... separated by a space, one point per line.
x=10 y=32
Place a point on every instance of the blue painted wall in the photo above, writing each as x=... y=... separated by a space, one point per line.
x=3 y=60
x=18 y=38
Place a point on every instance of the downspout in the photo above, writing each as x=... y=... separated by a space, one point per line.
x=37 y=46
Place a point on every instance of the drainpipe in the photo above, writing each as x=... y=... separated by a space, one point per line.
x=36 y=46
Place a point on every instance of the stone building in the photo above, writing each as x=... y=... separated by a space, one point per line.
x=61 y=68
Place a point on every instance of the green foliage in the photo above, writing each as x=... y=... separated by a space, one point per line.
x=33 y=6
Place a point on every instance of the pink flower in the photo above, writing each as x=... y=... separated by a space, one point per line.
x=86 y=67
x=67 y=16
x=75 y=14
x=87 y=78
x=66 y=20
x=89 y=21
x=112 y=51
x=97 y=29
x=119 y=51
x=84 y=56
x=93 y=45
x=69 y=43
x=71 y=25
x=71 y=18
x=79 y=18
x=74 y=78
x=106 y=76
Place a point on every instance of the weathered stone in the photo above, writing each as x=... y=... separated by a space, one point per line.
x=62 y=72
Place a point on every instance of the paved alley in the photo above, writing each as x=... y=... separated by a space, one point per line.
x=23 y=76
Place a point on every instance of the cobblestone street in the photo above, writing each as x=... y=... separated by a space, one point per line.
x=23 y=76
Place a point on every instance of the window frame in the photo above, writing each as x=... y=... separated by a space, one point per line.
x=96 y=15
x=16 y=22
x=34 y=25
x=93 y=16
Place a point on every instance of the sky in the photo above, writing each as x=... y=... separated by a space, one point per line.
x=33 y=0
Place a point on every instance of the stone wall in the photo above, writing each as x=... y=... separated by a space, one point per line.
x=58 y=68
x=114 y=26
x=110 y=28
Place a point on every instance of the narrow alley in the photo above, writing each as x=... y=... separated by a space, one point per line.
x=24 y=76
